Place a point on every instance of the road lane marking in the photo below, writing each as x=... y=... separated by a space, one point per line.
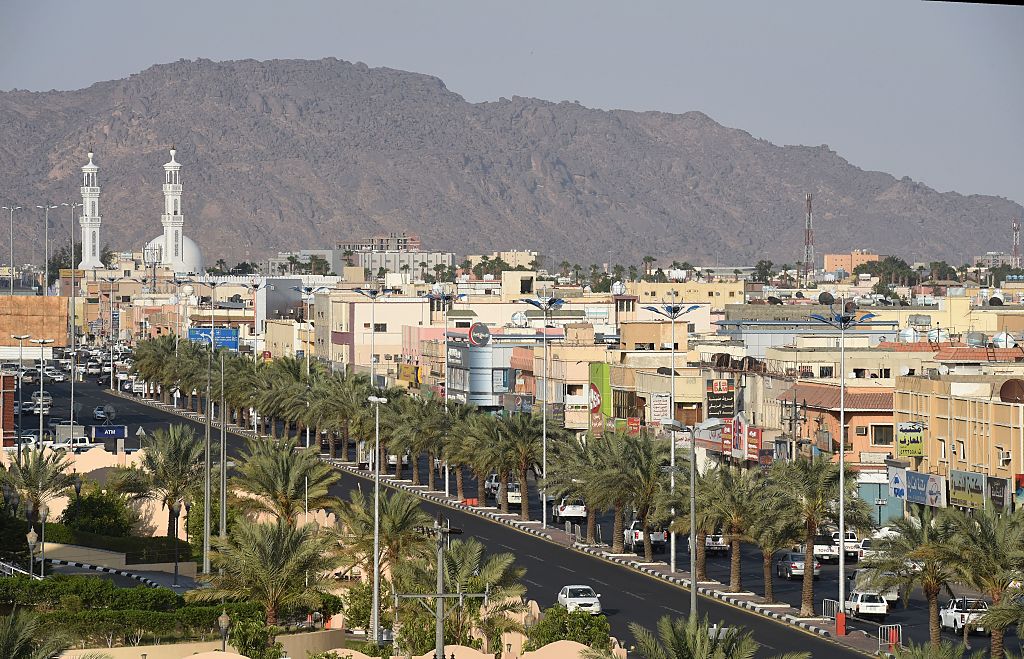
x=603 y=583
x=633 y=595
x=531 y=581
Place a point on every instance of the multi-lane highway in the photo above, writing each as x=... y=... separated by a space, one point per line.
x=627 y=596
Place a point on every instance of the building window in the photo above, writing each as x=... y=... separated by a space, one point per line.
x=825 y=371
x=380 y=327
x=711 y=294
x=942 y=450
x=862 y=431
x=177 y=246
x=95 y=239
x=882 y=435
x=961 y=451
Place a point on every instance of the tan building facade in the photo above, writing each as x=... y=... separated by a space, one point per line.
x=847 y=262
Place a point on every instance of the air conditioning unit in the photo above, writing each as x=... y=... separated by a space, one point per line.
x=1004 y=458
x=666 y=346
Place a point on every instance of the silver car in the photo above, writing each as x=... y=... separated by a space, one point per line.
x=791 y=564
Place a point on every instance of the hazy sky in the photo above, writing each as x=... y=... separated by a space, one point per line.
x=928 y=90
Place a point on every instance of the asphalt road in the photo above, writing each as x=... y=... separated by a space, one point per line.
x=627 y=596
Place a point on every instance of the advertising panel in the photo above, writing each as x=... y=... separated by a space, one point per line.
x=927 y=489
x=721 y=398
x=753 y=443
x=633 y=425
x=600 y=388
x=660 y=404
x=408 y=373
x=597 y=424
x=710 y=439
x=556 y=414
x=1018 y=489
x=966 y=489
x=898 y=482
x=909 y=439
x=517 y=402
x=765 y=457
x=499 y=380
x=109 y=432
x=727 y=432
x=998 y=493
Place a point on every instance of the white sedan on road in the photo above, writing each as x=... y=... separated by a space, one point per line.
x=580 y=598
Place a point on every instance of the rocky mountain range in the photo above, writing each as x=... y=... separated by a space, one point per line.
x=288 y=154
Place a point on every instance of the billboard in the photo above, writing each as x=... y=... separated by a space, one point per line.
x=926 y=489
x=517 y=402
x=909 y=439
x=600 y=389
x=721 y=398
x=661 y=405
x=753 y=443
x=727 y=433
x=897 y=482
x=998 y=491
x=224 y=337
x=633 y=425
x=1018 y=489
x=966 y=489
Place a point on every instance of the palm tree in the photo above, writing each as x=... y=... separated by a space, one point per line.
x=914 y=556
x=171 y=463
x=733 y=505
x=612 y=483
x=23 y=635
x=473 y=439
x=273 y=563
x=279 y=479
x=400 y=516
x=706 y=522
x=645 y=459
x=774 y=526
x=572 y=465
x=945 y=650
x=814 y=487
x=521 y=441
x=984 y=550
x=40 y=477
x=418 y=429
x=696 y=639
x=455 y=420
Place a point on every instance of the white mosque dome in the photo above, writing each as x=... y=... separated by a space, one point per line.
x=191 y=255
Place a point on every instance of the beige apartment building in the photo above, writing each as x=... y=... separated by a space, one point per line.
x=971 y=423
x=715 y=294
x=514 y=258
x=847 y=262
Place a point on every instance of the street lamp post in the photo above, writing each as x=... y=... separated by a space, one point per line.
x=31 y=538
x=209 y=431
x=112 y=338
x=373 y=294
x=673 y=311
x=46 y=247
x=842 y=321
x=446 y=298
x=223 y=522
x=20 y=338
x=224 y=622
x=74 y=331
x=39 y=406
x=44 y=513
x=546 y=304
x=376 y=401
x=12 y=209
x=175 y=511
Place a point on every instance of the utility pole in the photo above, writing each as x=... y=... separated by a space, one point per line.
x=441 y=533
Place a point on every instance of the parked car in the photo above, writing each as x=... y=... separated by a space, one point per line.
x=93 y=368
x=491 y=485
x=867 y=549
x=78 y=444
x=867 y=605
x=99 y=413
x=54 y=374
x=634 y=537
x=859 y=581
x=791 y=565
x=569 y=509
x=44 y=396
x=715 y=543
x=580 y=598
x=962 y=612
x=515 y=494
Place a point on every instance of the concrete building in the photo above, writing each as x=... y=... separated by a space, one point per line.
x=402 y=242
x=288 y=338
x=847 y=262
x=716 y=294
x=415 y=263
x=526 y=259
x=993 y=260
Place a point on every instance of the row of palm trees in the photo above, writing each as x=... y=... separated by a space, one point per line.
x=626 y=475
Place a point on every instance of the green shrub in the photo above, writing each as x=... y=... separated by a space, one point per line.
x=101 y=513
x=72 y=592
x=557 y=624
x=255 y=640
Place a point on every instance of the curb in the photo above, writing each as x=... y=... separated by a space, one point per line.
x=108 y=570
x=525 y=528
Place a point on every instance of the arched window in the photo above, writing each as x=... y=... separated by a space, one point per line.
x=177 y=207
x=95 y=239
x=92 y=206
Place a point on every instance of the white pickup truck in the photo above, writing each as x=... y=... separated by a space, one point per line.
x=825 y=549
x=569 y=509
x=79 y=444
x=634 y=537
x=852 y=544
x=963 y=612
x=716 y=543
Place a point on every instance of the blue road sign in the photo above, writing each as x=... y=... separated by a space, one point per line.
x=225 y=337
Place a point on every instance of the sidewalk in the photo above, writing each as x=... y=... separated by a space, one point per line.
x=856 y=639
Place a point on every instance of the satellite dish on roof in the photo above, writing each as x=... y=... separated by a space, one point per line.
x=618 y=288
x=826 y=298
x=904 y=370
x=519 y=319
x=1012 y=391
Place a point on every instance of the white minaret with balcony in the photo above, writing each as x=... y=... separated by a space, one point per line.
x=172 y=219
x=90 y=219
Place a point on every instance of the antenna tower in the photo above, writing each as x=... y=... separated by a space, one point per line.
x=808 y=242
x=1015 y=225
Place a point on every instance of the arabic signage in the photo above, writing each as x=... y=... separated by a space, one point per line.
x=926 y=489
x=710 y=439
x=753 y=443
x=224 y=337
x=727 y=433
x=966 y=489
x=633 y=425
x=517 y=402
x=721 y=398
x=597 y=424
x=765 y=457
x=909 y=439
x=998 y=490
x=898 y=482
x=479 y=335
x=455 y=356
x=660 y=408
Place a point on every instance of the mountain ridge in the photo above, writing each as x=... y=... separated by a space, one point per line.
x=286 y=154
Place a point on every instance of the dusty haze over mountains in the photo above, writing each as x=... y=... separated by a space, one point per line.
x=289 y=154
